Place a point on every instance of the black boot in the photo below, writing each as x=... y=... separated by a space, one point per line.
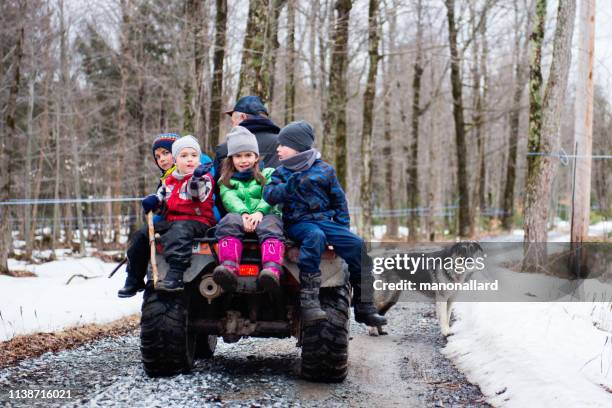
x=310 y=307
x=133 y=284
x=365 y=311
x=172 y=282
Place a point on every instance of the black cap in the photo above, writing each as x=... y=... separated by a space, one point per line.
x=249 y=104
x=297 y=135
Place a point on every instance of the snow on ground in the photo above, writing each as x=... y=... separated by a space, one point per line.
x=534 y=354
x=45 y=303
x=546 y=354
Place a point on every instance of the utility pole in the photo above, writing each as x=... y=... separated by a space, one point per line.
x=583 y=126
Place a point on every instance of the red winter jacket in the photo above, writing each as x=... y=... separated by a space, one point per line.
x=184 y=203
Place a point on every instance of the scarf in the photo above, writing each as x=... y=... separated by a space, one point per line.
x=246 y=175
x=301 y=161
x=178 y=175
x=260 y=124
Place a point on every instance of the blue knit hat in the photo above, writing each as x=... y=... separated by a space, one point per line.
x=164 y=140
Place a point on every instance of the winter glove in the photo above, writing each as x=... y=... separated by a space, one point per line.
x=150 y=203
x=201 y=170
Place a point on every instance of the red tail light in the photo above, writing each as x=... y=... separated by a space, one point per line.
x=248 y=270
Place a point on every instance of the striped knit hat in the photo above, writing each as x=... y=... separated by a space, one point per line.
x=164 y=140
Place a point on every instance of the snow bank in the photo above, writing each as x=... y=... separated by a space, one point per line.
x=534 y=354
x=556 y=354
x=45 y=303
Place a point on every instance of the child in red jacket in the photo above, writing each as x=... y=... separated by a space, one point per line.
x=186 y=200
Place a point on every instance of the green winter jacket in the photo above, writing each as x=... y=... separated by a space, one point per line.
x=246 y=196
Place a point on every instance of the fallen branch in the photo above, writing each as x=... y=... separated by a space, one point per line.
x=78 y=275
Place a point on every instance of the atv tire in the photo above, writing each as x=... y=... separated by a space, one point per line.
x=205 y=345
x=325 y=345
x=167 y=345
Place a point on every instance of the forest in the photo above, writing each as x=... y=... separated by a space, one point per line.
x=443 y=118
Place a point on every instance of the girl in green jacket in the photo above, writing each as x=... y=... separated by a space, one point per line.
x=241 y=187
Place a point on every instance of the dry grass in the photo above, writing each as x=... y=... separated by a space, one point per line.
x=33 y=345
x=21 y=274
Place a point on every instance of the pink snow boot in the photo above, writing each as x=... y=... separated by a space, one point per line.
x=272 y=252
x=230 y=251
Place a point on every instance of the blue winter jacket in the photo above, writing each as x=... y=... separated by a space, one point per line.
x=317 y=196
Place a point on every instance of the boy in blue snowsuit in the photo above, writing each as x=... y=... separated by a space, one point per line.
x=315 y=213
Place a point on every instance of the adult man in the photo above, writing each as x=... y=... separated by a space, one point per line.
x=251 y=113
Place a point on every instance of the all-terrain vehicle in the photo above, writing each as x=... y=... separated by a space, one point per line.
x=178 y=327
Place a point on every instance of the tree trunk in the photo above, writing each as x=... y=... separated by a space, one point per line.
x=8 y=132
x=58 y=170
x=434 y=192
x=368 y=115
x=290 y=68
x=28 y=171
x=254 y=71
x=216 y=93
x=515 y=114
x=412 y=170
x=334 y=146
x=479 y=67
x=583 y=128
x=545 y=139
x=198 y=20
x=271 y=47
x=44 y=131
x=390 y=69
x=465 y=221
x=122 y=122
x=69 y=123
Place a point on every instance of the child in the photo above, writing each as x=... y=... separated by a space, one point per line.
x=241 y=187
x=186 y=200
x=138 y=250
x=315 y=212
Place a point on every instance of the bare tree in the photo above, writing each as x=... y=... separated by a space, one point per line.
x=368 y=115
x=69 y=125
x=389 y=70
x=544 y=130
x=465 y=221
x=290 y=66
x=334 y=118
x=8 y=131
x=412 y=170
x=520 y=77
x=258 y=51
x=216 y=93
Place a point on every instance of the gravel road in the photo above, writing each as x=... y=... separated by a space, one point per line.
x=403 y=369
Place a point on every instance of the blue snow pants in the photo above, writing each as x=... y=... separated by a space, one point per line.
x=313 y=236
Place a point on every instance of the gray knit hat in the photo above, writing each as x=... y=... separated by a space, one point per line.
x=297 y=135
x=239 y=139
x=184 y=142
